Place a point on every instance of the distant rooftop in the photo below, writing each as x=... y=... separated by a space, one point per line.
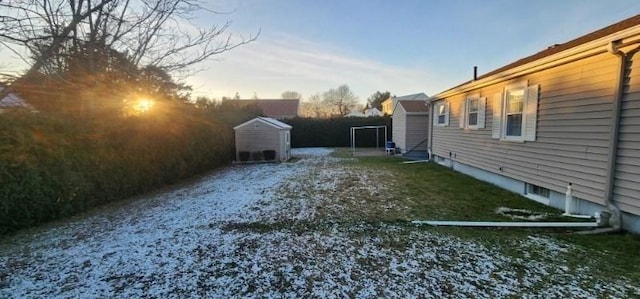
x=275 y=108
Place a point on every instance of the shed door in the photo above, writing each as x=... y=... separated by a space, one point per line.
x=287 y=144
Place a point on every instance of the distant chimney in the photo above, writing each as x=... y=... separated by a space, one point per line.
x=475 y=73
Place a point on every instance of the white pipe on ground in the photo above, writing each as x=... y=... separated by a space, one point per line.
x=508 y=224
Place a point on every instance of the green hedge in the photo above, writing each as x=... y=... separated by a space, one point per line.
x=335 y=132
x=53 y=166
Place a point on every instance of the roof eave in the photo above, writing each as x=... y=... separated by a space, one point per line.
x=597 y=46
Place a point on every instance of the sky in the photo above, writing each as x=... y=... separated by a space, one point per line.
x=404 y=46
x=400 y=46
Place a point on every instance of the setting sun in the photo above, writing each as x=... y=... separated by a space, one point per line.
x=144 y=105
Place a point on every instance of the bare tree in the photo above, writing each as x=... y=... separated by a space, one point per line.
x=291 y=95
x=342 y=98
x=157 y=33
x=313 y=106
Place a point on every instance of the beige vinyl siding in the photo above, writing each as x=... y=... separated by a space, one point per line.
x=626 y=192
x=398 y=131
x=573 y=119
x=258 y=136
x=417 y=131
x=409 y=130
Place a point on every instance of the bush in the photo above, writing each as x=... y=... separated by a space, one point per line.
x=335 y=132
x=53 y=166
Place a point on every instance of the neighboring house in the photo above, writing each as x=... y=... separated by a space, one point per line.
x=274 y=108
x=256 y=137
x=372 y=112
x=566 y=116
x=369 y=112
x=389 y=104
x=12 y=101
x=410 y=128
x=355 y=114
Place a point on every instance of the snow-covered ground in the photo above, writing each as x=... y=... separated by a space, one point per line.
x=270 y=231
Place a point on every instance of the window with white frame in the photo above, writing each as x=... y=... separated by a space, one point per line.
x=515 y=113
x=472 y=112
x=441 y=113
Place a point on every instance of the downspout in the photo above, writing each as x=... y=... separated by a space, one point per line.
x=613 y=48
x=430 y=131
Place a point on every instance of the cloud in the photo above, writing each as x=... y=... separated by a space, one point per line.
x=280 y=62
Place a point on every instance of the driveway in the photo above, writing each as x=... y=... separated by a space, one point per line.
x=274 y=231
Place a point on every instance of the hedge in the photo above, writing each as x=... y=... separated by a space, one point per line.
x=335 y=132
x=53 y=166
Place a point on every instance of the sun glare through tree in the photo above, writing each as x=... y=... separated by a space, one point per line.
x=143 y=105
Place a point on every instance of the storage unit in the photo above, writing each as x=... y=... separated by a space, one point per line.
x=263 y=139
x=411 y=127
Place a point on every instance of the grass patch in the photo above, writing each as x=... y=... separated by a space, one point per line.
x=434 y=192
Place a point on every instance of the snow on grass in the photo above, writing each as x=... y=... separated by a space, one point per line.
x=521 y=214
x=262 y=231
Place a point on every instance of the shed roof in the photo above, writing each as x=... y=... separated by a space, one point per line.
x=414 y=106
x=268 y=121
x=415 y=96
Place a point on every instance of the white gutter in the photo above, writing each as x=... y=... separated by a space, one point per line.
x=592 y=48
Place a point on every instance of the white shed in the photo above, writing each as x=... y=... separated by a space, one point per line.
x=411 y=127
x=263 y=138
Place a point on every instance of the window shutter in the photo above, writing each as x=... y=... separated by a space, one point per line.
x=434 y=114
x=482 y=103
x=446 y=113
x=463 y=110
x=531 y=113
x=496 y=128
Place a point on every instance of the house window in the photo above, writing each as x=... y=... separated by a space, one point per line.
x=537 y=190
x=472 y=114
x=515 y=113
x=441 y=111
x=515 y=106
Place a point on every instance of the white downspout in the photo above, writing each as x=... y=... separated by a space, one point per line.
x=613 y=48
x=569 y=203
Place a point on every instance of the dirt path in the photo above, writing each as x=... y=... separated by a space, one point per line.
x=287 y=230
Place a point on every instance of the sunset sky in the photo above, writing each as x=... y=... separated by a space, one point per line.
x=405 y=46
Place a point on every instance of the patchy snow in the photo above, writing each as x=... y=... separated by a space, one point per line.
x=260 y=231
x=521 y=214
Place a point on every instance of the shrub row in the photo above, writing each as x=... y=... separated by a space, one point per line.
x=52 y=167
x=335 y=132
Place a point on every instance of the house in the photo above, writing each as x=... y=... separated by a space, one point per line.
x=355 y=114
x=566 y=116
x=12 y=101
x=273 y=108
x=369 y=112
x=372 y=112
x=410 y=128
x=389 y=104
x=263 y=138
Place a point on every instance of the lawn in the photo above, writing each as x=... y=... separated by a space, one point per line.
x=325 y=225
